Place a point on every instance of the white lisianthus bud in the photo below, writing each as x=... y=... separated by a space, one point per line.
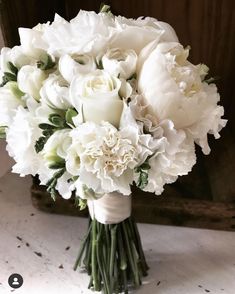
x=55 y=149
x=32 y=42
x=99 y=95
x=55 y=92
x=14 y=55
x=30 y=79
x=120 y=63
x=69 y=66
x=10 y=99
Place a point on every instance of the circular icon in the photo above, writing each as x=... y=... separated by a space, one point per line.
x=15 y=281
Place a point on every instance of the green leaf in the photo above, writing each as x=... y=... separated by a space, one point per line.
x=45 y=62
x=51 y=184
x=3 y=132
x=143 y=180
x=45 y=126
x=104 y=8
x=57 y=165
x=81 y=203
x=39 y=145
x=70 y=113
x=57 y=120
x=12 y=68
x=10 y=76
x=212 y=80
x=13 y=86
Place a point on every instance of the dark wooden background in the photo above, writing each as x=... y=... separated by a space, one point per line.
x=208 y=26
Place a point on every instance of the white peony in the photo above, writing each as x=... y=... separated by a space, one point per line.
x=70 y=66
x=135 y=34
x=120 y=63
x=30 y=80
x=55 y=92
x=10 y=99
x=173 y=87
x=100 y=95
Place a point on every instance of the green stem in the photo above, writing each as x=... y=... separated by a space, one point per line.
x=93 y=256
x=113 y=250
x=144 y=264
x=78 y=260
x=134 y=267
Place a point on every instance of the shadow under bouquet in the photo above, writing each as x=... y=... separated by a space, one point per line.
x=96 y=105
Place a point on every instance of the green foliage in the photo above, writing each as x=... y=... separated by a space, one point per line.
x=58 y=122
x=70 y=113
x=3 y=132
x=51 y=184
x=10 y=76
x=81 y=203
x=143 y=174
x=45 y=62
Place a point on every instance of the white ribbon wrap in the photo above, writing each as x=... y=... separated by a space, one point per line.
x=112 y=208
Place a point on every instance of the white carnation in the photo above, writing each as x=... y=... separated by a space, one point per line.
x=21 y=137
x=9 y=102
x=103 y=157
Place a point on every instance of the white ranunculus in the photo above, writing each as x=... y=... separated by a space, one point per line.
x=55 y=92
x=99 y=95
x=30 y=80
x=173 y=87
x=55 y=149
x=120 y=63
x=21 y=137
x=10 y=100
x=70 y=66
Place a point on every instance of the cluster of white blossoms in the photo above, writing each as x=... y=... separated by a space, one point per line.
x=100 y=103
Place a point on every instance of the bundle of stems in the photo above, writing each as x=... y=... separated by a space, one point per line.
x=113 y=256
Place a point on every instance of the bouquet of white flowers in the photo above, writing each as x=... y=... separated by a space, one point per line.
x=96 y=105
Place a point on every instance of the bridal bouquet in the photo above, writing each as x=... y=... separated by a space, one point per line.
x=96 y=105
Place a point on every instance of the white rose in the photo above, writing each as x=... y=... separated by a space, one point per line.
x=10 y=99
x=55 y=149
x=70 y=66
x=173 y=87
x=119 y=62
x=99 y=95
x=55 y=92
x=30 y=79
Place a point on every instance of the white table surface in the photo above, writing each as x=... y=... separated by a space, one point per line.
x=182 y=260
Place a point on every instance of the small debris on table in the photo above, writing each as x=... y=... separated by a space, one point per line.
x=38 y=253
